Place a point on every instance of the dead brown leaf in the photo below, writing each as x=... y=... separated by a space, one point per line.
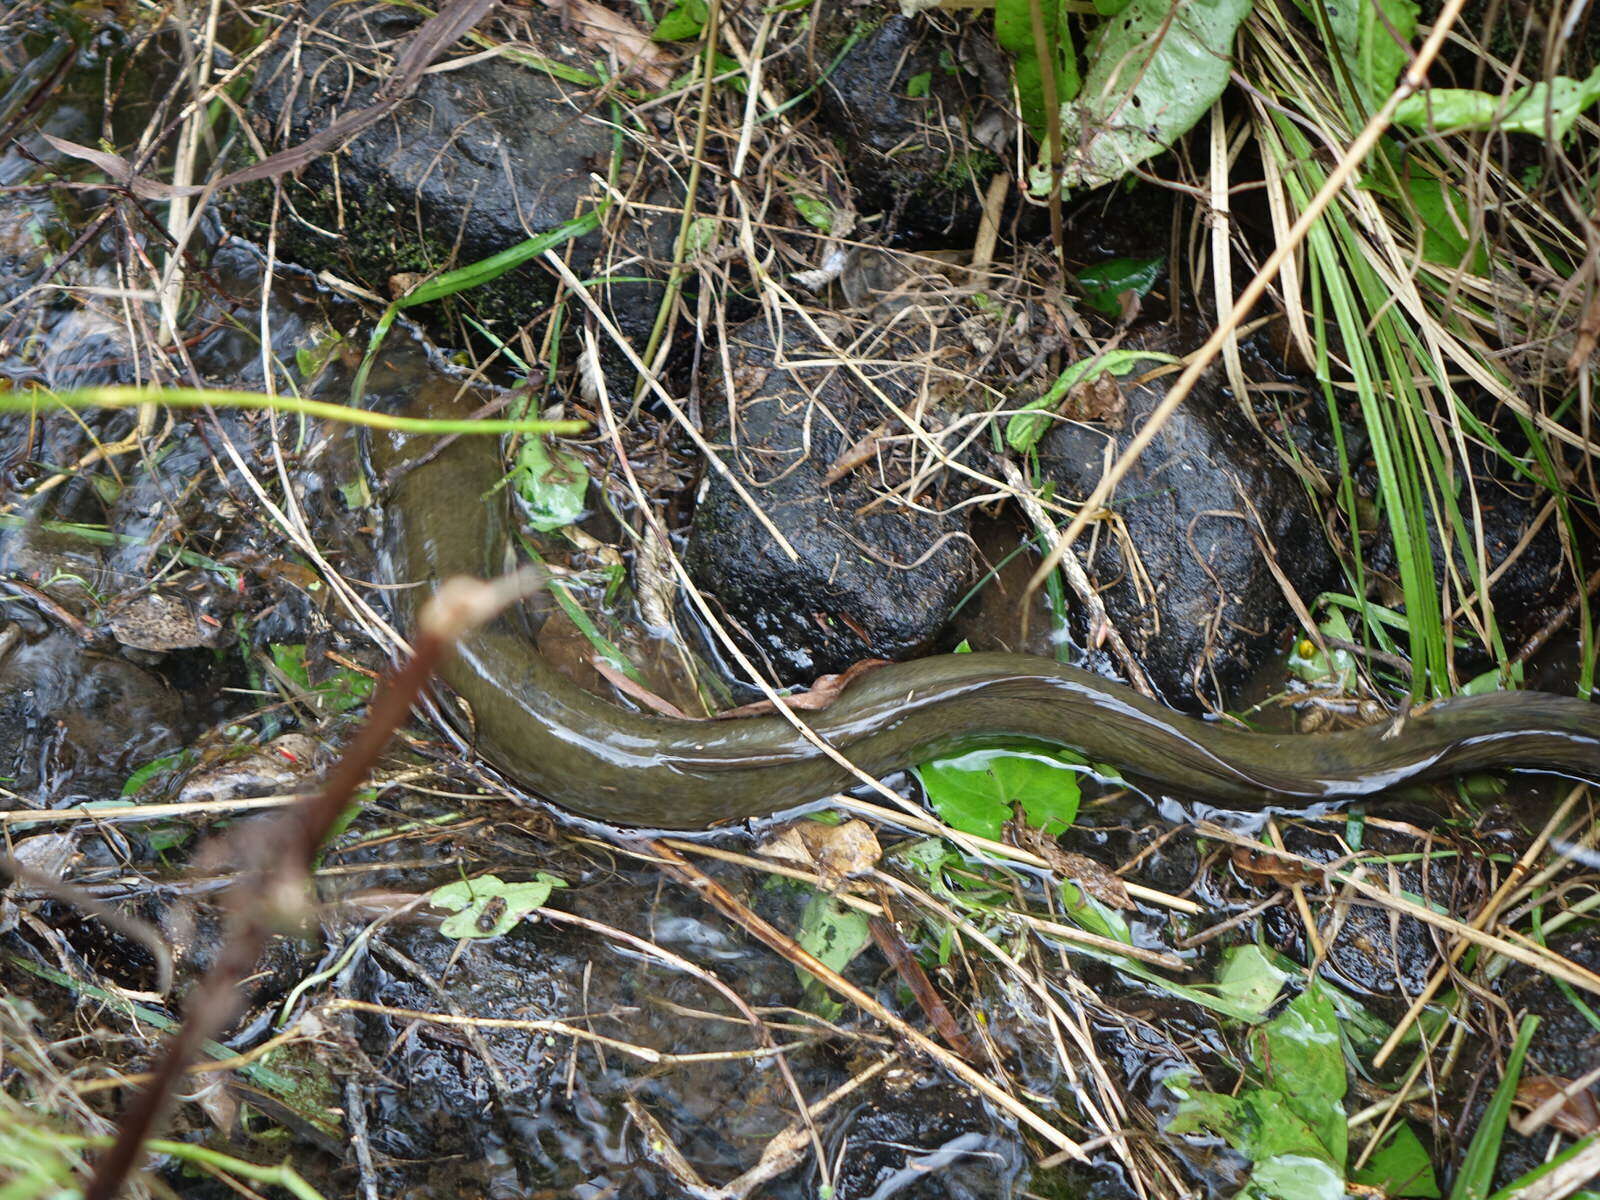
x=635 y=690
x=834 y=852
x=1579 y=1114
x=636 y=53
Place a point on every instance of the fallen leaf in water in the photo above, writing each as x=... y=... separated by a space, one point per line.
x=1579 y=1114
x=634 y=690
x=834 y=852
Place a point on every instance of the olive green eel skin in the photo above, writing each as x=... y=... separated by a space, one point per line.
x=600 y=761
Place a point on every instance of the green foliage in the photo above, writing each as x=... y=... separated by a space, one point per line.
x=1546 y=109
x=476 y=274
x=552 y=483
x=1374 y=39
x=1399 y=1167
x=833 y=935
x=976 y=792
x=1014 y=30
x=1289 y=1118
x=1154 y=70
x=1251 y=980
x=1029 y=424
x=682 y=22
x=1103 y=284
x=488 y=906
x=141 y=778
x=341 y=691
x=918 y=86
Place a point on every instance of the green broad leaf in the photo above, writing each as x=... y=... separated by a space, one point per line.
x=1446 y=220
x=1207 y=1112
x=341 y=691
x=355 y=494
x=1103 y=284
x=1336 y=668
x=1296 y=1177
x=1154 y=70
x=1547 y=109
x=833 y=935
x=290 y=659
x=976 y=792
x=1084 y=911
x=1275 y=1129
x=1014 y=30
x=1400 y=1167
x=918 y=86
x=488 y=906
x=682 y=22
x=552 y=484
x=1374 y=38
x=1302 y=1053
x=1029 y=424
x=1250 y=981
x=818 y=213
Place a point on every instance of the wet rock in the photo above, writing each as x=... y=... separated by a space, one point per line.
x=1187 y=586
x=477 y=161
x=906 y=102
x=75 y=723
x=920 y=1137
x=871 y=580
x=1528 y=589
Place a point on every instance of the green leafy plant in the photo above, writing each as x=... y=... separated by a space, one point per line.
x=682 y=22
x=833 y=935
x=1104 y=284
x=1546 y=109
x=978 y=792
x=341 y=691
x=1154 y=70
x=1289 y=1118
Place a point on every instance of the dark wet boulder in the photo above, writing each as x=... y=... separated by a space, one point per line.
x=74 y=723
x=907 y=104
x=874 y=577
x=478 y=160
x=919 y=1136
x=1179 y=569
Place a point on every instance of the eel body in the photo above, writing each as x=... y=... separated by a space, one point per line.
x=563 y=744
